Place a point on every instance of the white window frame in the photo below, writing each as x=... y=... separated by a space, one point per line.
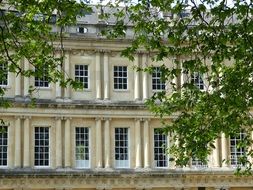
x=83 y=163
x=41 y=80
x=235 y=152
x=3 y=66
x=117 y=78
x=159 y=85
x=122 y=163
x=196 y=78
x=79 y=76
x=7 y=145
x=165 y=145
x=196 y=163
x=49 y=148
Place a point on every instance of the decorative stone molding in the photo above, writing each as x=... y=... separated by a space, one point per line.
x=105 y=181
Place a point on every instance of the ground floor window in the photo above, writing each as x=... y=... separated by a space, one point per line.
x=121 y=148
x=41 y=148
x=82 y=147
x=235 y=150
x=3 y=145
x=160 y=145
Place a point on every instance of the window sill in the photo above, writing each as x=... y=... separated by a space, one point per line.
x=5 y=86
x=43 y=88
x=42 y=167
x=121 y=91
x=84 y=90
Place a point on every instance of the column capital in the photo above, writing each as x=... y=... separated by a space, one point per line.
x=107 y=118
x=146 y=119
x=58 y=118
x=26 y=117
x=99 y=118
x=67 y=118
x=138 y=119
x=107 y=51
x=18 y=117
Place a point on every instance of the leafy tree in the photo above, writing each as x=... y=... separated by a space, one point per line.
x=34 y=30
x=210 y=38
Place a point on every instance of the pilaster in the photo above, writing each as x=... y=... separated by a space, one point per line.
x=68 y=146
x=136 y=79
x=224 y=151
x=98 y=76
x=137 y=143
x=26 y=161
x=99 y=150
x=145 y=58
x=106 y=76
x=107 y=143
x=58 y=139
x=146 y=144
x=17 y=157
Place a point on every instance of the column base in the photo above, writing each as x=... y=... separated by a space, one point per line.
x=67 y=100
x=27 y=98
x=18 y=98
x=58 y=99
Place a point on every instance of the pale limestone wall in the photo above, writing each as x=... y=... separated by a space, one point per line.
x=86 y=59
x=121 y=95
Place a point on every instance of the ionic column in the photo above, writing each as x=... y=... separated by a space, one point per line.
x=26 y=142
x=17 y=161
x=184 y=76
x=216 y=158
x=136 y=79
x=58 y=94
x=98 y=76
x=10 y=146
x=138 y=143
x=106 y=76
x=146 y=144
x=26 y=80
x=224 y=150
x=107 y=145
x=67 y=75
x=58 y=143
x=67 y=154
x=18 y=84
x=98 y=143
x=145 y=77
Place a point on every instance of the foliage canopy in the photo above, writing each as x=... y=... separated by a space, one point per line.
x=213 y=38
x=209 y=37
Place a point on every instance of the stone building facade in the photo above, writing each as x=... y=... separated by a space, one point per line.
x=102 y=137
